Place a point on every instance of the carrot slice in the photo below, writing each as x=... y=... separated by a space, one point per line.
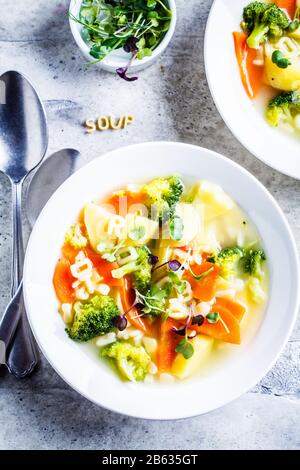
x=168 y=341
x=131 y=198
x=205 y=288
x=288 y=5
x=218 y=330
x=62 y=281
x=237 y=310
x=104 y=268
x=251 y=74
x=133 y=315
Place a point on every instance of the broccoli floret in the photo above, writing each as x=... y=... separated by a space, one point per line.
x=252 y=265
x=93 y=318
x=263 y=21
x=251 y=14
x=253 y=262
x=131 y=361
x=141 y=269
x=228 y=260
x=164 y=194
x=75 y=238
x=283 y=108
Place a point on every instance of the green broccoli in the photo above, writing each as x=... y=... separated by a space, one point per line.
x=228 y=260
x=164 y=194
x=131 y=361
x=75 y=237
x=93 y=318
x=283 y=108
x=252 y=264
x=253 y=261
x=249 y=262
x=262 y=21
x=141 y=269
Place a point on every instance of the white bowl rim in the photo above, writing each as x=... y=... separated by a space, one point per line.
x=136 y=63
x=293 y=247
x=222 y=113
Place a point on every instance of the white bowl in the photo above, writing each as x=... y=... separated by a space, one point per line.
x=120 y=58
x=244 y=117
x=88 y=374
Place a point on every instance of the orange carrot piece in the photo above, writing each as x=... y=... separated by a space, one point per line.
x=133 y=315
x=205 y=288
x=168 y=341
x=131 y=199
x=251 y=74
x=237 y=310
x=218 y=330
x=104 y=268
x=288 y=5
x=62 y=281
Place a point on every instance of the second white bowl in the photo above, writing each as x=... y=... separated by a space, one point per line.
x=244 y=117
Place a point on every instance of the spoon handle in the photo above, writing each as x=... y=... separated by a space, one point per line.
x=18 y=247
x=13 y=311
x=23 y=355
x=11 y=317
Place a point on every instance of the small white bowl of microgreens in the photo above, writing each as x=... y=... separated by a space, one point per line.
x=122 y=36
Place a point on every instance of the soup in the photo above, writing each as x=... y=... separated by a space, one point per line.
x=162 y=279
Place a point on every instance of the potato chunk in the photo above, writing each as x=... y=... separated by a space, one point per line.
x=283 y=79
x=183 y=368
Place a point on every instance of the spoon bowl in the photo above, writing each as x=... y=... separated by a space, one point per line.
x=24 y=132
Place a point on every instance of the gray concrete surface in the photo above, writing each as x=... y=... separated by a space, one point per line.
x=171 y=101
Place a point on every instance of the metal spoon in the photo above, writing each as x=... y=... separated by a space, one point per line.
x=23 y=144
x=52 y=172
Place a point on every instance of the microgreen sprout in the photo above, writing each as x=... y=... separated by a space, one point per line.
x=198 y=320
x=215 y=317
x=120 y=322
x=108 y=253
x=279 y=59
x=185 y=347
x=202 y=275
x=151 y=301
x=153 y=260
x=294 y=25
x=173 y=265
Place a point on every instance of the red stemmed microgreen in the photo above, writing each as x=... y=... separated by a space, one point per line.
x=184 y=346
x=174 y=265
x=120 y=322
x=130 y=46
